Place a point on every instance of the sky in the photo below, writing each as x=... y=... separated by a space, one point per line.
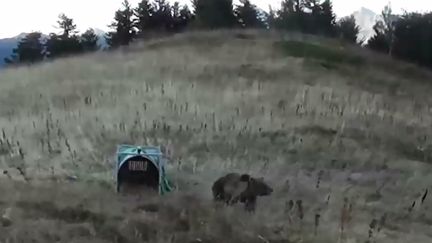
x=17 y=16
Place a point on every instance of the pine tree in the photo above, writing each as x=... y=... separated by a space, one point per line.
x=248 y=15
x=270 y=19
x=186 y=15
x=143 y=17
x=348 y=29
x=413 y=38
x=290 y=16
x=53 y=46
x=389 y=26
x=307 y=16
x=181 y=17
x=175 y=17
x=67 y=25
x=66 y=43
x=383 y=39
x=214 y=14
x=89 y=41
x=299 y=5
x=124 y=27
x=378 y=42
x=310 y=16
x=162 y=19
x=28 y=51
x=326 y=20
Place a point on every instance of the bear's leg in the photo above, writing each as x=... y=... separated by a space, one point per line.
x=250 y=204
x=236 y=199
x=227 y=198
x=218 y=197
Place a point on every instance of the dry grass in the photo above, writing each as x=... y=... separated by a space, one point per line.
x=348 y=144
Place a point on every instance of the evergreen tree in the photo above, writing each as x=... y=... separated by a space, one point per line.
x=53 y=46
x=162 y=19
x=389 y=26
x=175 y=10
x=270 y=19
x=348 y=29
x=326 y=20
x=248 y=15
x=66 y=43
x=413 y=38
x=89 y=41
x=214 y=14
x=384 y=29
x=297 y=5
x=307 y=16
x=283 y=18
x=312 y=20
x=181 y=17
x=143 y=17
x=378 y=42
x=28 y=51
x=186 y=15
x=290 y=16
x=67 y=25
x=319 y=18
x=124 y=27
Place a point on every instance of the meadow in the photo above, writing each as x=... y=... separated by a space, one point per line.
x=342 y=132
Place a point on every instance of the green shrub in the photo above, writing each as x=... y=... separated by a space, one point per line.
x=318 y=52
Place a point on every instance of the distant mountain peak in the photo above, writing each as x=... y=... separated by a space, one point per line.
x=20 y=36
x=99 y=31
x=24 y=34
x=366 y=11
x=366 y=19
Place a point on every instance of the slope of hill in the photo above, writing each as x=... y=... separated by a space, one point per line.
x=341 y=129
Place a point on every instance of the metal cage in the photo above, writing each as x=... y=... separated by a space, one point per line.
x=141 y=166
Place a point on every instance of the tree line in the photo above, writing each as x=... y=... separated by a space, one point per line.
x=32 y=49
x=407 y=36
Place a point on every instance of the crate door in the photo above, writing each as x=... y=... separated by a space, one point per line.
x=139 y=173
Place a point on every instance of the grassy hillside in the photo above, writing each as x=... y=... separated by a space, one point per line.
x=324 y=123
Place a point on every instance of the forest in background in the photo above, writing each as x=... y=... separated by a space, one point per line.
x=407 y=36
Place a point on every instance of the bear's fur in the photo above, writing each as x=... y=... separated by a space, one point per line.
x=256 y=187
x=229 y=187
x=234 y=187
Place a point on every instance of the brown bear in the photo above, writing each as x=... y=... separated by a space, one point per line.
x=256 y=187
x=234 y=187
x=229 y=186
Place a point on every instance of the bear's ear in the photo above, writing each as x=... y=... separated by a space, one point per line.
x=245 y=177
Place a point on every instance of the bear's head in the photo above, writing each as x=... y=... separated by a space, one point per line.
x=260 y=187
x=245 y=177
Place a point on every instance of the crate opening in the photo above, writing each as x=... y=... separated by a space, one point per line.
x=138 y=172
